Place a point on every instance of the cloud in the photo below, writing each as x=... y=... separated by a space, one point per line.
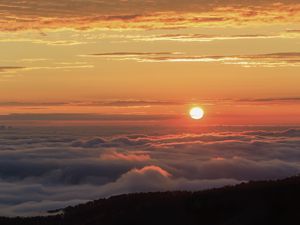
x=285 y=133
x=5 y=69
x=149 y=178
x=135 y=103
x=86 y=117
x=61 y=67
x=131 y=54
x=114 y=155
x=264 y=60
x=122 y=103
x=150 y=169
x=127 y=103
x=96 y=142
x=2 y=127
x=281 y=59
x=270 y=100
x=52 y=42
x=13 y=103
x=293 y=31
x=49 y=168
x=15 y=69
x=204 y=37
x=53 y=14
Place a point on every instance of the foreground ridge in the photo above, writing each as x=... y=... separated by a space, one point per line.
x=260 y=202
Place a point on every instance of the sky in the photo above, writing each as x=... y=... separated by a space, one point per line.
x=95 y=97
x=237 y=59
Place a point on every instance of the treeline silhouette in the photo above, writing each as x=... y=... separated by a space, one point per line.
x=253 y=203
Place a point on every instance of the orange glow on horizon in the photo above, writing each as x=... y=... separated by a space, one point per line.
x=238 y=60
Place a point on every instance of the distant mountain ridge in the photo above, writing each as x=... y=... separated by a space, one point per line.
x=254 y=203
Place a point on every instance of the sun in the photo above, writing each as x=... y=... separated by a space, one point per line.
x=196 y=113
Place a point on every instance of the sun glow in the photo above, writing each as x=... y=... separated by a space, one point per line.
x=196 y=113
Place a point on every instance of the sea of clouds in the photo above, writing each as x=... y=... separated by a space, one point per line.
x=49 y=168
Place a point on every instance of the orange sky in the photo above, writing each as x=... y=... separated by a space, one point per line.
x=239 y=61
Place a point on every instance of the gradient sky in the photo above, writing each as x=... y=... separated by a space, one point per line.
x=127 y=72
x=143 y=61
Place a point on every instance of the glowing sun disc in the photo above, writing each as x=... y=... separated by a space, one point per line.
x=196 y=113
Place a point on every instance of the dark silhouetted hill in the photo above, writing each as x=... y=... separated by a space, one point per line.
x=253 y=203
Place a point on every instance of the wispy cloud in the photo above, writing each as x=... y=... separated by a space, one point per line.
x=149 y=103
x=60 y=66
x=130 y=54
x=44 y=41
x=78 y=116
x=281 y=59
x=10 y=68
x=126 y=103
x=293 y=31
x=205 y=37
x=33 y=60
x=270 y=100
x=104 y=103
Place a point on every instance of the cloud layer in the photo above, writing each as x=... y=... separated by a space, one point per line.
x=29 y=14
x=49 y=168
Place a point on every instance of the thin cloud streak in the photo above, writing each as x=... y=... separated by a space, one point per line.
x=207 y=38
x=281 y=59
x=61 y=66
x=130 y=54
x=78 y=116
x=5 y=69
x=144 y=103
x=46 y=42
